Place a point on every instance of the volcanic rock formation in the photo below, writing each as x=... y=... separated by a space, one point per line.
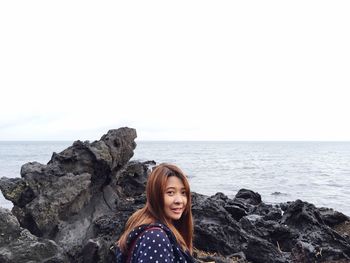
x=75 y=207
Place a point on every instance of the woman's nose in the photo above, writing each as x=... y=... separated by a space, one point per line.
x=178 y=199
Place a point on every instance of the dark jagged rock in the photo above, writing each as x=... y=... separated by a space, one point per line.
x=235 y=211
x=19 y=245
x=16 y=190
x=202 y=256
x=132 y=180
x=316 y=239
x=76 y=206
x=331 y=217
x=63 y=199
x=302 y=216
x=248 y=197
x=260 y=251
x=215 y=228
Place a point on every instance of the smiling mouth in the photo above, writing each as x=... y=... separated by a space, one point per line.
x=177 y=210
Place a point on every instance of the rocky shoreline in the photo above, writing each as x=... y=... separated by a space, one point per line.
x=73 y=208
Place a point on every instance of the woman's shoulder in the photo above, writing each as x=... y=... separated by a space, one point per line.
x=154 y=233
x=155 y=242
x=152 y=245
x=148 y=231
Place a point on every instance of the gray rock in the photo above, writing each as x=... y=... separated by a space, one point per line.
x=17 y=191
x=248 y=196
x=63 y=199
x=19 y=245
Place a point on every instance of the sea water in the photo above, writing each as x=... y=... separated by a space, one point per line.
x=316 y=172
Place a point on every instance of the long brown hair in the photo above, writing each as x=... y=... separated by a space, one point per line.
x=153 y=211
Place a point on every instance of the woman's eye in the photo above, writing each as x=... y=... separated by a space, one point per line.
x=183 y=193
x=170 y=192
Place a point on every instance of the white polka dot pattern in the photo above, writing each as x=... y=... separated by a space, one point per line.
x=150 y=241
x=156 y=244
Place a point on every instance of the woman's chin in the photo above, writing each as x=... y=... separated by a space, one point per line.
x=175 y=216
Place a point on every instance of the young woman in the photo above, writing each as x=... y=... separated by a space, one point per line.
x=162 y=231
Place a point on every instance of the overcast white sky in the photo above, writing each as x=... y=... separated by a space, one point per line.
x=175 y=70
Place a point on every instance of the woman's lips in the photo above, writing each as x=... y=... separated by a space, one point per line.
x=177 y=210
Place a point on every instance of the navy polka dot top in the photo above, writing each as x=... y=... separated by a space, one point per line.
x=157 y=244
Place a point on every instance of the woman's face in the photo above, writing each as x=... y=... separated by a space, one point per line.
x=175 y=198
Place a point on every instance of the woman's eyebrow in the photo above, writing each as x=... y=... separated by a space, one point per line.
x=173 y=187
